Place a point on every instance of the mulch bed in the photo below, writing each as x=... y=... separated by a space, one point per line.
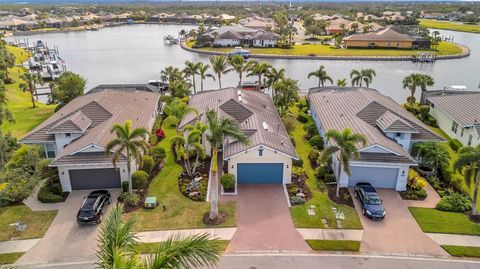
x=344 y=198
x=474 y=218
x=406 y=196
x=299 y=183
x=184 y=180
x=222 y=217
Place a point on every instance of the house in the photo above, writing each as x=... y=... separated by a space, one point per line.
x=389 y=129
x=267 y=159
x=257 y=23
x=75 y=137
x=458 y=115
x=386 y=38
x=340 y=25
x=237 y=35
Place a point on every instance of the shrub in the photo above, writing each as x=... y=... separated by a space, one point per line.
x=316 y=142
x=455 y=144
x=302 y=117
x=139 y=179
x=147 y=165
x=25 y=158
x=302 y=103
x=297 y=163
x=158 y=154
x=310 y=128
x=458 y=184
x=160 y=134
x=297 y=200
x=228 y=182
x=124 y=186
x=313 y=157
x=45 y=172
x=17 y=189
x=424 y=110
x=289 y=123
x=292 y=138
x=56 y=189
x=434 y=182
x=411 y=99
x=47 y=194
x=130 y=199
x=454 y=202
x=320 y=173
x=329 y=178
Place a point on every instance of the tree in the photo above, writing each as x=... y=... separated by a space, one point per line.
x=432 y=153
x=342 y=82
x=179 y=88
x=183 y=145
x=67 y=87
x=344 y=145
x=411 y=83
x=7 y=60
x=176 y=110
x=220 y=67
x=469 y=161
x=5 y=115
x=240 y=66
x=219 y=130
x=286 y=94
x=190 y=70
x=259 y=69
x=130 y=143
x=424 y=82
x=170 y=74
x=202 y=72
x=274 y=75
x=364 y=75
x=322 y=76
x=31 y=80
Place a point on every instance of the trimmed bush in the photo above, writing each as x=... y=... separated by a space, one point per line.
x=228 y=182
x=310 y=128
x=329 y=178
x=316 y=142
x=454 y=202
x=158 y=154
x=455 y=144
x=139 y=179
x=147 y=164
x=130 y=199
x=297 y=163
x=302 y=117
x=46 y=195
x=313 y=157
x=124 y=186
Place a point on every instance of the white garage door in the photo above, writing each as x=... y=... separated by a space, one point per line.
x=378 y=177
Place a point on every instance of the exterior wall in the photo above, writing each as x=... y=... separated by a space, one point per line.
x=383 y=44
x=265 y=43
x=62 y=140
x=226 y=42
x=269 y=156
x=404 y=139
x=445 y=123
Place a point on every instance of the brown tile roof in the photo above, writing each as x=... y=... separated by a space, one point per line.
x=463 y=108
x=387 y=34
x=251 y=109
x=76 y=123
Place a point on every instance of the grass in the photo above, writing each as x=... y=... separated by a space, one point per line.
x=447 y=25
x=19 y=102
x=9 y=258
x=320 y=200
x=436 y=221
x=334 y=245
x=461 y=251
x=37 y=222
x=444 y=48
x=181 y=212
x=147 y=248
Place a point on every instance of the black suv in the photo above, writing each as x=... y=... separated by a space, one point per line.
x=93 y=207
x=372 y=206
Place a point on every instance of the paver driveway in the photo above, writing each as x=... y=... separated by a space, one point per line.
x=264 y=222
x=398 y=233
x=65 y=240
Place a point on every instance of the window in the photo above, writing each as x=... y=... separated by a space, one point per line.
x=260 y=152
x=454 y=127
x=50 y=150
x=67 y=134
x=461 y=133
x=399 y=135
x=470 y=138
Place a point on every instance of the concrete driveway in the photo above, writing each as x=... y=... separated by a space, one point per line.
x=65 y=240
x=398 y=233
x=263 y=221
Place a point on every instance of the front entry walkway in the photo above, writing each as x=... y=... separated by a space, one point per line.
x=264 y=222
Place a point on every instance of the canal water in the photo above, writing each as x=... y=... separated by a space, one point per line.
x=137 y=53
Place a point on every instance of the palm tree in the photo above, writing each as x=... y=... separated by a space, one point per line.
x=31 y=80
x=190 y=70
x=219 y=130
x=432 y=153
x=170 y=74
x=345 y=145
x=286 y=94
x=424 y=82
x=182 y=144
x=7 y=60
x=176 y=110
x=202 y=72
x=322 y=76
x=220 y=67
x=342 y=82
x=5 y=114
x=130 y=142
x=273 y=76
x=411 y=83
x=469 y=161
x=259 y=69
x=364 y=75
x=240 y=66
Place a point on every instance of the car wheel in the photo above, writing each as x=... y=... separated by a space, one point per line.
x=363 y=212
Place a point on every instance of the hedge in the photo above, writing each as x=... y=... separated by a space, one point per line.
x=455 y=144
x=147 y=165
x=139 y=179
x=228 y=182
x=46 y=195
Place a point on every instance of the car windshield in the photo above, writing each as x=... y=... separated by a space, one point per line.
x=373 y=200
x=88 y=205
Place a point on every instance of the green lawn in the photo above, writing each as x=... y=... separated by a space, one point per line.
x=461 y=251
x=320 y=200
x=146 y=248
x=436 y=221
x=26 y=117
x=447 y=25
x=9 y=258
x=181 y=212
x=37 y=222
x=334 y=245
x=445 y=48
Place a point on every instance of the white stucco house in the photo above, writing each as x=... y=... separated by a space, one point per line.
x=237 y=35
x=458 y=115
x=389 y=129
x=267 y=159
x=75 y=137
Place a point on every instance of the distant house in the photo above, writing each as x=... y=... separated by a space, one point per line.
x=458 y=115
x=386 y=38
x=390 y=131
x=340 y=25
x=237 y=35
x=257 y=23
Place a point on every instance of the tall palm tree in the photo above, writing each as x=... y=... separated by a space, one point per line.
x=170 y=74
x=469 y=161
x=345 y=145
x=202 y=72
x=259 y=69
x=273 y=76
x=434 y=154
x=182 y=144
x=424 y=82
x=364 y=75
x=411 y=83
x=219 y=130
x=176 y=110
x=190 y=70
x=342 y=82
x=240 y=66
x=322 y=76
x=220 y=67
x=31 y=80
x=130 y=142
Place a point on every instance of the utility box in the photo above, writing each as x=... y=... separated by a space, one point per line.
x=150 y=202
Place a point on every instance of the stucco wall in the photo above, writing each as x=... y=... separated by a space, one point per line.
x=266 y=43
x=226 y=42
x=385 y=44
x=445 y=123
x=65 y=176
x=62 y=140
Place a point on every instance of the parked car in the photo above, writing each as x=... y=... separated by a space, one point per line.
x=93 y=207
x=372 y=206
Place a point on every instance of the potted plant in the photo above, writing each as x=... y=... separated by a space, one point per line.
x=228 y=183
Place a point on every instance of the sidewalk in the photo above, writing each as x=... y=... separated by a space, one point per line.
x=35 y=205
x=455 y=239
x=330 y=234
x=17 y=245
x=159 y=236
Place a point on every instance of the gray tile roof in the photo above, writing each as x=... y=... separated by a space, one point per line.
x=251 y=109
x=463 y=108
x=390 y=122
x=76 y=123
x=387 y=34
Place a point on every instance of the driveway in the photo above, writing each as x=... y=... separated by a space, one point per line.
x=398 y=233
x=264 y=222
x=65 y=240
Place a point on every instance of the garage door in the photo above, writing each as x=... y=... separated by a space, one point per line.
x=378 y=177
x=260 y=173
x=83 y=179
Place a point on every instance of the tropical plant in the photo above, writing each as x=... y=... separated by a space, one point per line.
x=190 y=70
x=158 y=155
x=259 y=69
x=202 y=72
x=285 y=94
x=344 y=145
x=31 y=80
x=130 y=143
x=170 y=74
x=240 y=66
x=7 y=60
x=182 y=144
x=67 y=87
x=469 y=163
x=432 y=154
x=220 y=67
x=423 y=83
x=322 y=76
x=274 y=75
x=176 y=110
x=5 y=115
x=411 y=83
x=362 y=76
x=179 y=88
x=454 y=202
x=342 y=82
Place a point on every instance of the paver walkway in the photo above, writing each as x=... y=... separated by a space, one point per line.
x=263 y=221
x=35 y=205
x=330 y=234
x=17 y=245
x=159 y=236
x=455 y=239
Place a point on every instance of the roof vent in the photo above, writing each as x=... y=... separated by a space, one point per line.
x=265 y=126
x=239 y=92
x=240 y=98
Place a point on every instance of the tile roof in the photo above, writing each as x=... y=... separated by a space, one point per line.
x=390 y=122
x=253 y=110
x=463 y=108
x=387 y=34
x=76 y=123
